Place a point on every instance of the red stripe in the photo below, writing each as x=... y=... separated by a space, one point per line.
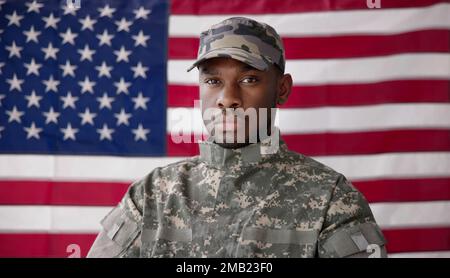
x=201 y=7
x=405 y=190
x=19 y=192
x=55 y=245
x=400 y=91
x=343 y=46
x=372 y=142
x=417 y=240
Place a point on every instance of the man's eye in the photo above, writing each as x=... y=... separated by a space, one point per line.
x=212 y=81
x=249 y=80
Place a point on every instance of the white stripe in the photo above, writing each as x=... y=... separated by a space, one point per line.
x=86 y=219
x=80 y=168
x=370 y=21
x=336 y=119
x=351 y=70
x=433 y=254
x=412 y=214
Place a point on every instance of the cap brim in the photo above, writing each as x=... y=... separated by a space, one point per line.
x=239 y=54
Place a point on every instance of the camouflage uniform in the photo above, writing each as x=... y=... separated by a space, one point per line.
x=244 y=202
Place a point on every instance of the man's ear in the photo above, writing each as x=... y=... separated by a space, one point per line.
x=284 y=88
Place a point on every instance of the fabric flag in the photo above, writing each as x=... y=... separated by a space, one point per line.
x=90 y=92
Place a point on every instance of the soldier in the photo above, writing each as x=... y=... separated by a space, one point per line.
x=238 y=199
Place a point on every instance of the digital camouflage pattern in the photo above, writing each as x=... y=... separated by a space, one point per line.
x=240 y=203
x=246 y=40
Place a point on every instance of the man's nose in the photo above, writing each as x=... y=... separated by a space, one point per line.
x=229 y=97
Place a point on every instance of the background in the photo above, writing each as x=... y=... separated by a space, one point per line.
x=91 y=90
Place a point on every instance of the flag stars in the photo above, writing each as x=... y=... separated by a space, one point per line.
x=32 y=35
x=68 y=37
x=14 y=50
x=123 y=25
x=86 y=53
x=15 y=83
x=14 y=115
x=70 y=8
x=140 y=133
x=51 y=21
x=122 y=86
x=68 y=69
x=1 y=129
x=122 y=117
x=104 y=70
x=69 y=101
x=141 y=13
x=122 y=54
x=140 y=101
x=34 y=6
x=33 y=131
x=1 y=66
x=14 y=19
x=69 y=132
x=140 y=39
x=105 y=133
x=105 y=101
x=50 y=51
x=87 y=85
x=51 y=84
x=139 y=71
x=105 y=38
x=87 y=23
x=33 y=67
x=87 y=117
x=1 y=97
x=33 y=100
x=51 y=116
x=106 y=11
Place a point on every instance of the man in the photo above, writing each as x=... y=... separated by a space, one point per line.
x=241 y=198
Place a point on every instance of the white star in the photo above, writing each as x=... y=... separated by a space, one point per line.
x=14 y=115
x=105 y=132
x=51 y=84
x=68 y=69
x=106 y=11
x=1 y=129
x=33 y=99
x=32 y=131
x=68 y=37
x=86 y=53
x=1 y=66
x=51 y=21
x=122 y=117
x=140 y=101
x=34 y=6
x=50 y=51
x=140 y=133
x=123 y=25
x=104 y=70
x=51 y=116
x=32 y=35
x=139 y=70
x=33 y=68
x=70 y=9
x=87 y=117
x=142 y=13
x=141 y=39
x=105 y=101
x=14 y=19
x=105 y=38
x=1 y=97
x=122 y=54
x=15 y=83
x=69 y=132
x=87 y=85
x=14 y=50
x=87 y=23
x=69 y=101
x=122 y=86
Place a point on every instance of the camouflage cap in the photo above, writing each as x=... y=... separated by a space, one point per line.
x=254 y=43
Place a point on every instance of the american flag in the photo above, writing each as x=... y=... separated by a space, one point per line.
x=90 y=92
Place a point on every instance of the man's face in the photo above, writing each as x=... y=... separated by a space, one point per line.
x=227 y=84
